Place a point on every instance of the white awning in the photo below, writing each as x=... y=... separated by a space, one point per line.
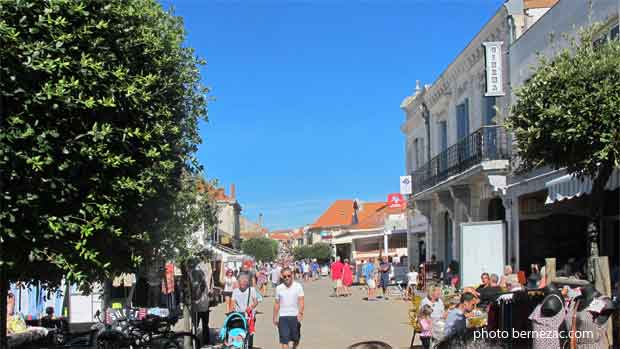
x=568 y=187
x=397 y=232
x=226 y=254
x=342 y=240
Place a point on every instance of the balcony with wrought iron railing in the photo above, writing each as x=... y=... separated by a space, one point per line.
x=485 y=144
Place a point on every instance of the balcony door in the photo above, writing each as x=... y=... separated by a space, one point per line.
x=462 y=132
x=443 y=146
x=449 y=237
x=462 y=120
x=490 y=131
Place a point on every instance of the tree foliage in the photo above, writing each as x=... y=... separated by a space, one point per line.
x=192 y=218
x=321 y=251
x=99 y=109
x=262 y=248
x=568 y=113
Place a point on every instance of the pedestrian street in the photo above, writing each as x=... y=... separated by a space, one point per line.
x=334 y=323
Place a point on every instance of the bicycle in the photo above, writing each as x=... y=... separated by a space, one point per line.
x=148 y=333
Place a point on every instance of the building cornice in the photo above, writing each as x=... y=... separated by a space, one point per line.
x=448 y=82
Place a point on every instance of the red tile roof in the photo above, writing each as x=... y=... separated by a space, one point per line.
x=368 y=209
x=298 y=233
x=340 y=213
x=377 y=219
x=254 y=233
x=282 y=235
x=539 y=3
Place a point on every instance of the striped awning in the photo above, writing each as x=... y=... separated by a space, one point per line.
x=569 y=186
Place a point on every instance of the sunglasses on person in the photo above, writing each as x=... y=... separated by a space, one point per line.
x=286 y=276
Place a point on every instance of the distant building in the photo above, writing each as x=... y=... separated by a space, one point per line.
x=367 y=237
x=229 y=212
x=250 y=229
x=356 y=230
x=333 y=223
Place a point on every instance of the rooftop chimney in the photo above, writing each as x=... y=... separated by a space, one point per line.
x=232 y=191
x=417 y=87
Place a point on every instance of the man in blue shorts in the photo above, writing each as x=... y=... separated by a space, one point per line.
x=384 y=276
x=288 y=310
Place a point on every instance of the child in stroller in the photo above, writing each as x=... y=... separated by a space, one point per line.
x=235 y=333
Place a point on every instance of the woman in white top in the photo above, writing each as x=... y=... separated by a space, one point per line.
x=230 y=283
x=434 y=300
x=412 y=281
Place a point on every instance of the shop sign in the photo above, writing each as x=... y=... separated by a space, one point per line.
x=396 y=200
x=405 y=185
x=325 y=235
x=493 y=60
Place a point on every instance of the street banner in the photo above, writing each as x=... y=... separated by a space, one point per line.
x=493 y=60
x=405 y=185
x=396 y=200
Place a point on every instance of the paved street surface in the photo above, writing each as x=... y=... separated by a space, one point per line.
x=332 y=323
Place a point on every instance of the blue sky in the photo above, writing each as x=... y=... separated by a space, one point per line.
x=307 y=93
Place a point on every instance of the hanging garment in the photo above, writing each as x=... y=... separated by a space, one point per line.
x=167 y=285
x=33 y=292
x=586 y=324
x=541 y=324
x=117 y=281
x=201 y=283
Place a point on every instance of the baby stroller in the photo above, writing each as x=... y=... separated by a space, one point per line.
x=235 y=333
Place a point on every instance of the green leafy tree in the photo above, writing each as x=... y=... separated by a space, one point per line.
x=302 y=252
x=190 y=220
x=568 y=115
x=99 y=109
x=321 y=251
x=262 y=248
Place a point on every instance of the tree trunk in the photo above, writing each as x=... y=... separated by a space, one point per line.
x=187 y=303
x=597 y=199
x=4 y=288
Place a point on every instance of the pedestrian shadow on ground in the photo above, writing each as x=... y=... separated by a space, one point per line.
x=370 y=345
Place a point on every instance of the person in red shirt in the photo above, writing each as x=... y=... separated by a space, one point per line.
x=336 y=271
x=347 y=278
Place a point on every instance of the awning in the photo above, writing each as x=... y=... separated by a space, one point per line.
x=569 y=186
x=226 y=254
x=397 y=232
x=342 y=240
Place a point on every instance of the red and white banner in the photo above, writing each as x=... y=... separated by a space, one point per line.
x=396 y=200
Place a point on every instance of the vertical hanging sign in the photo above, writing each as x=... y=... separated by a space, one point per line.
x=493 y=58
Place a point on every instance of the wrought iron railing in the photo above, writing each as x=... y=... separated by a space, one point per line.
x=487 y=143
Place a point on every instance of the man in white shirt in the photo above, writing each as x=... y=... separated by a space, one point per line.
x=275 y=278
x=288 y=310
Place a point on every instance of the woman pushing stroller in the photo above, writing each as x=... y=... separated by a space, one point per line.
x=245 y=302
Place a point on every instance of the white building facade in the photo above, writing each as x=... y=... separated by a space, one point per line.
x=457 y=152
